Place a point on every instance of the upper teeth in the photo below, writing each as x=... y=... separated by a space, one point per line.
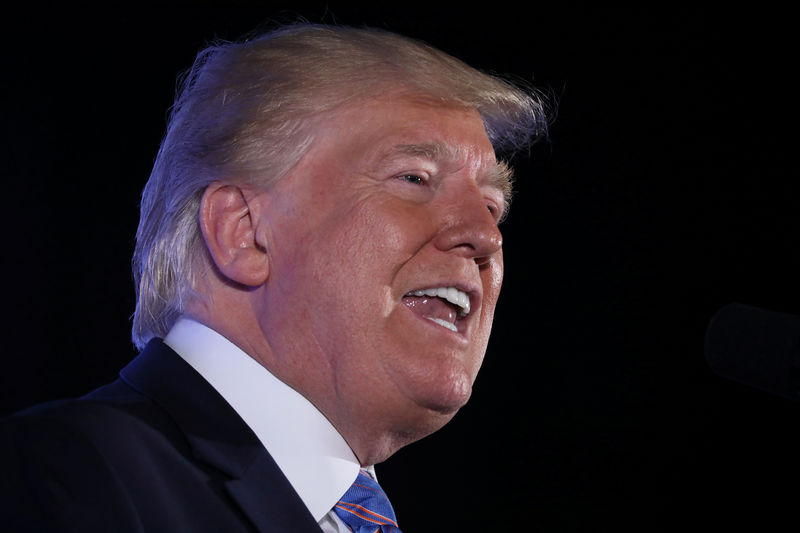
x=451 y=294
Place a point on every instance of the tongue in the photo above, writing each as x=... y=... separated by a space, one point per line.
x=431 y=307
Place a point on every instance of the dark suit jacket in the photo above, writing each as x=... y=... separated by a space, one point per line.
x=157 y=450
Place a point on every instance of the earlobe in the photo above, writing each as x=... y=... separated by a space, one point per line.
x=228 y=223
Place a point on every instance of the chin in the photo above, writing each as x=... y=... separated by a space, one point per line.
x=425 y=408
x=436 y=389
x=435 y=405
x=447 y=396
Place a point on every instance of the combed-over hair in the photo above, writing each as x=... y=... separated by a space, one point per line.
x=245 y=112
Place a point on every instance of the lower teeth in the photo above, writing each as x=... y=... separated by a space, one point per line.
x=444 y=323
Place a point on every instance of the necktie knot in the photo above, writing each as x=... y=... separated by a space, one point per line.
x=365 y=507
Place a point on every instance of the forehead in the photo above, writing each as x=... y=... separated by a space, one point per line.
x=375 y=132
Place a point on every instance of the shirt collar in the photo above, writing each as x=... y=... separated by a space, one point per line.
x=306 y=447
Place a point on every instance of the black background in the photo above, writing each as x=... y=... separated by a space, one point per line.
x=666 y=190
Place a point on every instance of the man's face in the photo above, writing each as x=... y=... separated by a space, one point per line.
x=386 y=263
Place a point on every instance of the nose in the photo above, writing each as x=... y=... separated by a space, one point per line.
x=469 y=227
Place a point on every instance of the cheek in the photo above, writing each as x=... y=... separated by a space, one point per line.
x=381 y=235
x=355 y=257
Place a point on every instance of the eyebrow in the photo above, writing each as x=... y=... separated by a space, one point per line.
x=499 y=176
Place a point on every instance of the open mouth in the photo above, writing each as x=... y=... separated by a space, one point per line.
x=445 y=306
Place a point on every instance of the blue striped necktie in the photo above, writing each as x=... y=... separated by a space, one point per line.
x=365 y=507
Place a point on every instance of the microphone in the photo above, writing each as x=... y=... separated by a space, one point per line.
x=756 y=347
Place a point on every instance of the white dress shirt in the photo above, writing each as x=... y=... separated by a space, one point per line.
x=309 y=451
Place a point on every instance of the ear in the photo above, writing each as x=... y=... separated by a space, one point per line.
x=229 y=229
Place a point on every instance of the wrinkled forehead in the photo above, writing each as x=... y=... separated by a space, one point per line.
x=414 y=124
x=374 y=132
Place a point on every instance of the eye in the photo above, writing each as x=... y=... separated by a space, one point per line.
x=413 y=178
x=497 y=212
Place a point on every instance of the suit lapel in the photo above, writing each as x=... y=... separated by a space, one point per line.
x=219 y=437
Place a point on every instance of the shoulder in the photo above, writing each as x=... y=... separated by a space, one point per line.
x=77 y=461
x=110 y=414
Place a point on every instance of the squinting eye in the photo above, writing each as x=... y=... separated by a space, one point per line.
x=413 y=178
x=495 y=212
